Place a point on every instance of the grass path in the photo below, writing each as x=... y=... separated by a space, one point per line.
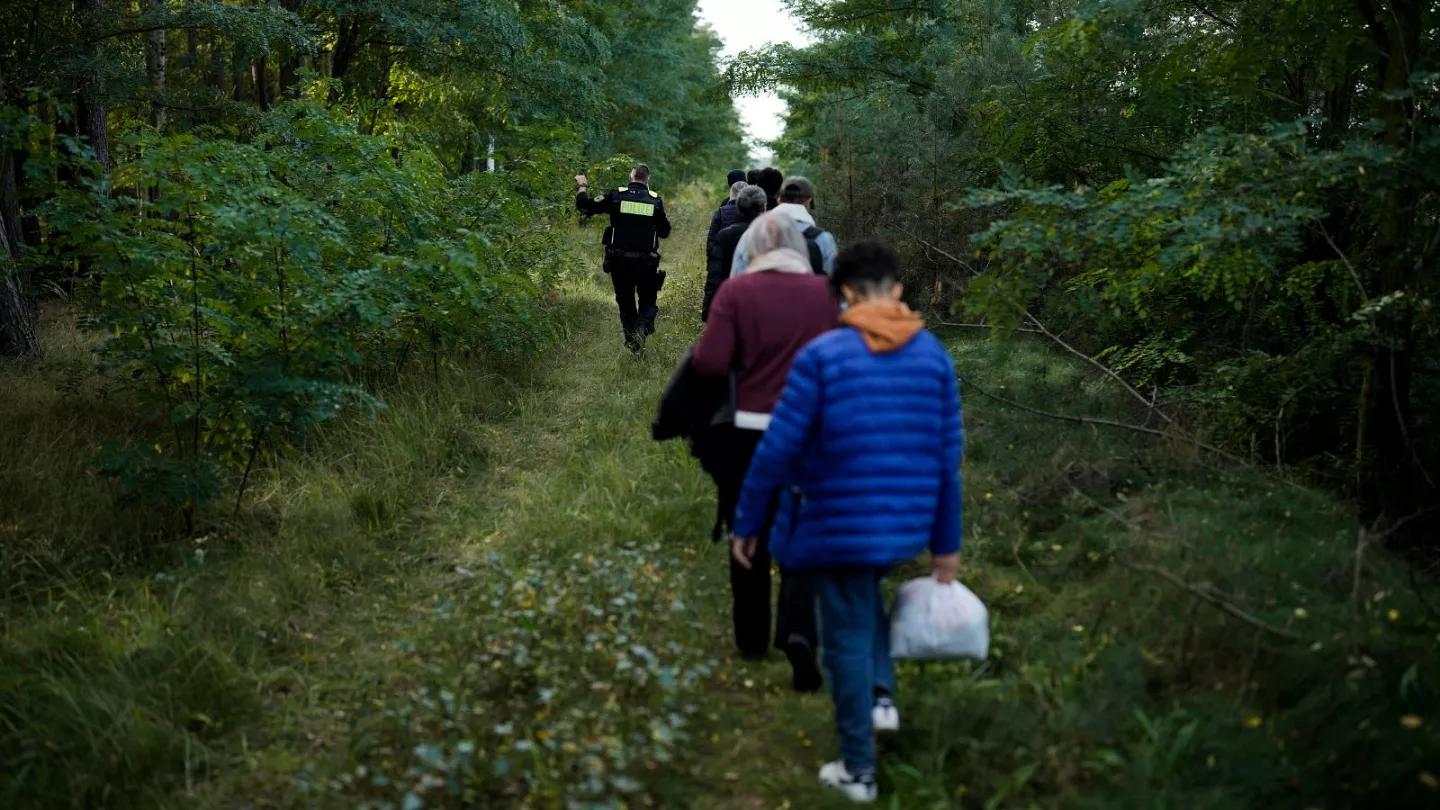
x=586 y=475
x=574 y=509
x=553 y=628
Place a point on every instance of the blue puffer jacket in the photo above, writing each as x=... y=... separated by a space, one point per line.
x=864 y=452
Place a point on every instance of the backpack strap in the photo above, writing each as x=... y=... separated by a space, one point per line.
x=817 y=259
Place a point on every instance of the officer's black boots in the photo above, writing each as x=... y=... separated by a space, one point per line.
x=638 y=326
x=635 y=339
x=647 y=320
x=633 y=329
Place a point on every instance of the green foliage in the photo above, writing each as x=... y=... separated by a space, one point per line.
x=128 y=667
x=570 y=700
x=97 y=706
x=1110 y=684
x=1231 y=213
x=277 y=210
x=664 y=102
x=1177 y=273
x=1231 y=201
x=251 y=290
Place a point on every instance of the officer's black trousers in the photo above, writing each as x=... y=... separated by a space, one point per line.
x=637 y=286
x=750 y=588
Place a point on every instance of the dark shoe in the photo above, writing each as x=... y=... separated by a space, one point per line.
x=804 y=671
x=635 y=340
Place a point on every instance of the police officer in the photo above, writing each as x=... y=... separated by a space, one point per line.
x=632 y=249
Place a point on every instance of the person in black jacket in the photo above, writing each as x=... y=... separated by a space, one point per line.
x=735 y=176
x=749 y=204
x=771 y=180
x=632 y=249
x=726 y=214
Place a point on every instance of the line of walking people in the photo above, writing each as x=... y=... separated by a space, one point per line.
x=829 y=419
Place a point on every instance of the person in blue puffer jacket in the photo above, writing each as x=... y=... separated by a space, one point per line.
x=863 y=457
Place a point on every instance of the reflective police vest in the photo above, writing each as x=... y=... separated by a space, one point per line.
x=633 y=223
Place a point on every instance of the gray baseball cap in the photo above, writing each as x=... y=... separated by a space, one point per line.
x=797 y=186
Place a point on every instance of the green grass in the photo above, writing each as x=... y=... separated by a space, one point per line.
x=499 y=592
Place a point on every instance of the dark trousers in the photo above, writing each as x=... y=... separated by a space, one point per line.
x=637 y=286
x=750 y=588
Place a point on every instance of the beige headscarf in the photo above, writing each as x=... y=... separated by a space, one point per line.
x=774 y=243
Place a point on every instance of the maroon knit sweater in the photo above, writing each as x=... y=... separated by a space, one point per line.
x=758 y=323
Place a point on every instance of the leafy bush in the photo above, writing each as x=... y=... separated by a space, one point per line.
x=1205 y=280
x=253 y=290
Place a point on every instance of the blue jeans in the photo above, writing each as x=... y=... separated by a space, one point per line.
x=855 y=640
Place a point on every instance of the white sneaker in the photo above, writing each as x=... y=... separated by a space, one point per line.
x=862 y=789
x=885 y=717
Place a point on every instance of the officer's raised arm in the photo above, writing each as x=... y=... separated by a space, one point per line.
x=587 y=204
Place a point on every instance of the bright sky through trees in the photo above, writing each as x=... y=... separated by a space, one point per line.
x=748 y=24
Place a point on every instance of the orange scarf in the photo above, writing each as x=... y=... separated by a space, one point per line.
x=885 y=325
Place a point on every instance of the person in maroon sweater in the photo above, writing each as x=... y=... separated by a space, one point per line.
x=758 y=322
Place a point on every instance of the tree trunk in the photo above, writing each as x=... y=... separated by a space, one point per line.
x=238 y=74
x=91 y=117
x=93 y=120
x=155 y=64
x=1399 y=487
x=470 y=161
x=10 y=200
x=259 y=78
x=289 y=74
x=17 y=314
x=1337 y=111
x=17 y=321
x=347 y=43
x=217 y=64
x=192 y=51
x=9 y=190
x=290 y=61
x=25 y=225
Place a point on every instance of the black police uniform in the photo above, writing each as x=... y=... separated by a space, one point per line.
x=632 y=258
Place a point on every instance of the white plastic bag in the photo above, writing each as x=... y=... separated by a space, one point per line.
x=935 y=620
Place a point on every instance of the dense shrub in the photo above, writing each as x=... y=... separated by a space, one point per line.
x=250 y=290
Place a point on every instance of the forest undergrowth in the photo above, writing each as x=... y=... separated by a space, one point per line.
x=498 y=592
